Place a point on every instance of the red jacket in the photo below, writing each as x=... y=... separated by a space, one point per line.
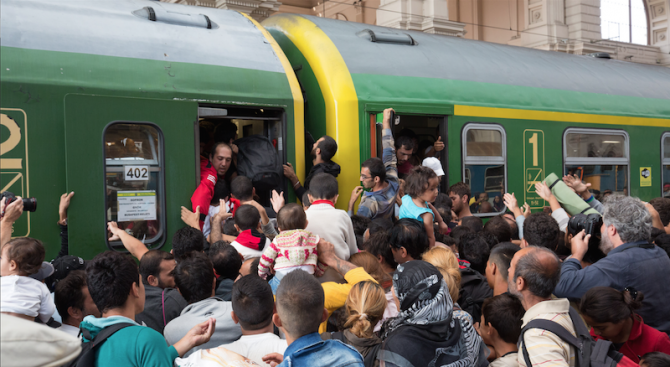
x=205 y=191
x=643 y=339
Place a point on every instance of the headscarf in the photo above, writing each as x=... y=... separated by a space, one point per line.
x=424 y=333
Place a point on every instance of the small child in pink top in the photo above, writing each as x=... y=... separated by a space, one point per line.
x=293 y=248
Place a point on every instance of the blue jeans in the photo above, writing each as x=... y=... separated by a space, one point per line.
x=274 y=282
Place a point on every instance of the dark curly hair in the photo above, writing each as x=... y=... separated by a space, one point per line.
x=417 y=182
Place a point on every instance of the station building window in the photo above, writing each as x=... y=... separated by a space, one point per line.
x=134 y=181
x=665 y=162
x=599 y=157
x=485 y=166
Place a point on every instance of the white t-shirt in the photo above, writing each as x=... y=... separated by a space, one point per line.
x=508 y=360
x=26 y=296
x=74 y=331
x=247 y=252
x=254 y=347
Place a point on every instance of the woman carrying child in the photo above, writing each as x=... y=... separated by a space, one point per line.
x=421 y=190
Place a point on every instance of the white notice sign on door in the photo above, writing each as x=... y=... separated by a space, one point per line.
x=136 y=205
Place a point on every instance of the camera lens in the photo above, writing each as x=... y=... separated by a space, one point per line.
x=29 y=204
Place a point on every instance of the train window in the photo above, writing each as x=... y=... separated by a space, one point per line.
x=665 y=148
x=134 y=181
x=599 y=157
x=485 y=166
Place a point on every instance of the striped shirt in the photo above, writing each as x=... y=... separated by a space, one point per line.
x=545 y=348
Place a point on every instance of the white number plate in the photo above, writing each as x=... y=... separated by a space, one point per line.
x=136 y=173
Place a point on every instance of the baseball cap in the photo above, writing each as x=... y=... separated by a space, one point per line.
x=62 y=266
x=434 y=164
x=45 y=271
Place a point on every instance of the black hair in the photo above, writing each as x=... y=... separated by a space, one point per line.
x=541 y=278
x=407 y=132
x=360 y=224
x=502 y=255
x=378 y=245
x=300 y=301
x=655 y=359
x=540 y=229
x=305 y=199
x=221 y=191
x=443 y=201
x=247 y=217
x=410 y=234
x=323 y=186
x=253 y=302
x=662 y=206
x=242 y=188
x=404 y=141
x=459 y=232
x=505 y=313
x=474 y=223
x=225 y=132
x=68 y=293
x=150 y=263
x=605 y=304
x=474 y=248
x=225 y=260
x=499 y=228
x=461 y=189
x=110 y=277
x=253 y=268
x=376 y=167
x=379 y=225
x=229 y=227
x=663 y=241
x=439 y=237
x=186 y=240
x=291 y=216
x=328 y=148
x=194 y=277
x=490 y=239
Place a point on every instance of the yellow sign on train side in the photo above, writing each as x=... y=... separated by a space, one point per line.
x=645 y=176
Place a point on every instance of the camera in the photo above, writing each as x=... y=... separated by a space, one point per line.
x=589 y=223
x=29 y=204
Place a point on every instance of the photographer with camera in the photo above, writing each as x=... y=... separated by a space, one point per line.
x=630 y=261
x=11 y=208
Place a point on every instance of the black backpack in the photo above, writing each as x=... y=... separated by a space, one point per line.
x=258 y=160
x=588 y=352
x=87 y=356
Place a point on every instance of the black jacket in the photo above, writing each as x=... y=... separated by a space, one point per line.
x=474 y=290
x=155 y=315
x=330 y=167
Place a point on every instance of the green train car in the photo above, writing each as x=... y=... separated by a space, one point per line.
x=509 y=115
x=105 y=99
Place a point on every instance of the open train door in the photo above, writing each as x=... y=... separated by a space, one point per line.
x=129 y=160
x=425 y=129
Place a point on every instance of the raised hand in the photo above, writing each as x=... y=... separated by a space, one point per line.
x=439 y=144
x=191 y=219
x=277 y=201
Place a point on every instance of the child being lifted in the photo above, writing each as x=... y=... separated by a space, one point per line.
x=292 y=249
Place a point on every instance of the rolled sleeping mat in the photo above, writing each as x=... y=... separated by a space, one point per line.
x=571 y=202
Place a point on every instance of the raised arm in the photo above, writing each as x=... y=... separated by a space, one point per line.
x=388 y=145
x=10 y=214
x=216 y=235
x=132 y=244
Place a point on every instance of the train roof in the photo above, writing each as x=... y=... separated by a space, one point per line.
x=486 y=73
x=123 y=29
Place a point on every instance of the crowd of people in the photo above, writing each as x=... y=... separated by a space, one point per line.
x=411 y=279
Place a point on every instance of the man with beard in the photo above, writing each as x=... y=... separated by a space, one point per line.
x=323 y=151
x=631 y=261
x=533 y=274
x=380 y=177
x=218 y=167
x=460 y=195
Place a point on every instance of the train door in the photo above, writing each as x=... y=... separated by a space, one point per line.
x=129 y=160
x=222 y=123
x=422 y=131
